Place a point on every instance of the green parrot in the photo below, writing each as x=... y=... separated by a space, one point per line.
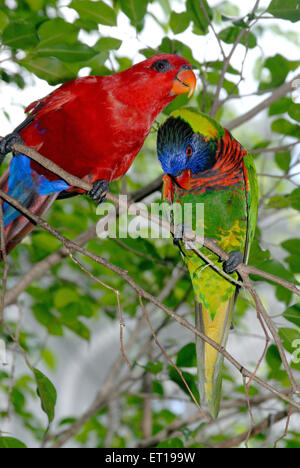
x=205 y=165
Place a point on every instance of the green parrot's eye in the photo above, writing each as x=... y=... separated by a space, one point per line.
x=189 y=151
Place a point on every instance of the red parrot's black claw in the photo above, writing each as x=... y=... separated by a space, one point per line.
x=99 y=190
x=7 y=142
x=235 y=259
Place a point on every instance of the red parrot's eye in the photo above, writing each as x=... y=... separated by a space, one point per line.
x=189 y=151
x=162 y=66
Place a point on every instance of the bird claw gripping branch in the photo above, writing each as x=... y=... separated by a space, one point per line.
x=7 y=142
x=235 y=259
x=99 y=190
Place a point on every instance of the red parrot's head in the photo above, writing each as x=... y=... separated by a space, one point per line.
x=167 y=70
x=155 y=82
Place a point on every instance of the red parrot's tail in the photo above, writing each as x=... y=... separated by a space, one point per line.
x=19 y=227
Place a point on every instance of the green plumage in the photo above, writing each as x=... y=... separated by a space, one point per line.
x=228 y=191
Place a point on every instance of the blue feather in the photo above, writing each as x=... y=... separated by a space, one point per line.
x=180 y=148
x=25 y=185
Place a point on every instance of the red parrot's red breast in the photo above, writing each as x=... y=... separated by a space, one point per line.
x=93 y=127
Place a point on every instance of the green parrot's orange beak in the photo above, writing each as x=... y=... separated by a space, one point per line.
x=185 y=82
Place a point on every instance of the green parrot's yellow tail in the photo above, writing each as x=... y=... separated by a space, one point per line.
x=209 y=360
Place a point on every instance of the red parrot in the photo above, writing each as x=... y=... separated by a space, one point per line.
x=93 y=127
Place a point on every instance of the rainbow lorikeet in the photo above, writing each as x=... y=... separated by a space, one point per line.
x=93 y=127
x=205 y=165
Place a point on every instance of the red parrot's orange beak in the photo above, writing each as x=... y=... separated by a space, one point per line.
x=185 y=82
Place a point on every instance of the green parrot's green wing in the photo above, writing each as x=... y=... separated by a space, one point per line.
x=252 y=200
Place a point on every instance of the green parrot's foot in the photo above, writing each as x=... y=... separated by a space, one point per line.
x=7 y=142
x=99 y=190
x=235 y=259
x=183 y=231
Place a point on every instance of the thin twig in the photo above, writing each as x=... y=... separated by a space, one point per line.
x=203 y=413
x=6 y=266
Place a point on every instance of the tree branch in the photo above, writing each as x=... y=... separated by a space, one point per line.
x=275 y=96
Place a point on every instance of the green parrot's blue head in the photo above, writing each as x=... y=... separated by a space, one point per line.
x=180 y=148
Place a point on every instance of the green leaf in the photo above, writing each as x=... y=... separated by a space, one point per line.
x=49 y=358
x=293 y=247
x=51 y=69
x=97 y=11
x=294 y=111
x=47 y=393
x=285 y=127
x=47 y=319
x=279 y=202
x=64 y=296
x=169 y=46
x=76 y=52
x=279 y=68
x=285 y=9
x=179 y=22
x=292 y=314
x=229 y=86
x=175 y=442
x=281 y=106
x=107 y=43
x=276 y=268
x=56 y=31
x=134 y=9
x=97 y=67
x=273 y=358
x=230 y=35
x=283 y=160
x=35 y=5
x=190 y=380
x=218 y=65
x=252 y=390
x=78 y=327
x=154 y=367
x=18 y=400
x=43 y=244
x=11 y=443
x=4 y=21
x=257 y=255
x=157 y=387
x=294 y=199
x=194 y=9
x=187 y=356
x=289 y=336
x=20 y=36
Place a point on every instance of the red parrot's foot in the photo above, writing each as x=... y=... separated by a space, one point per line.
x=99 y=190
x=235 y=259
x=7 y=142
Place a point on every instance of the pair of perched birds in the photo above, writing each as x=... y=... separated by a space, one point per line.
x=94 y=127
